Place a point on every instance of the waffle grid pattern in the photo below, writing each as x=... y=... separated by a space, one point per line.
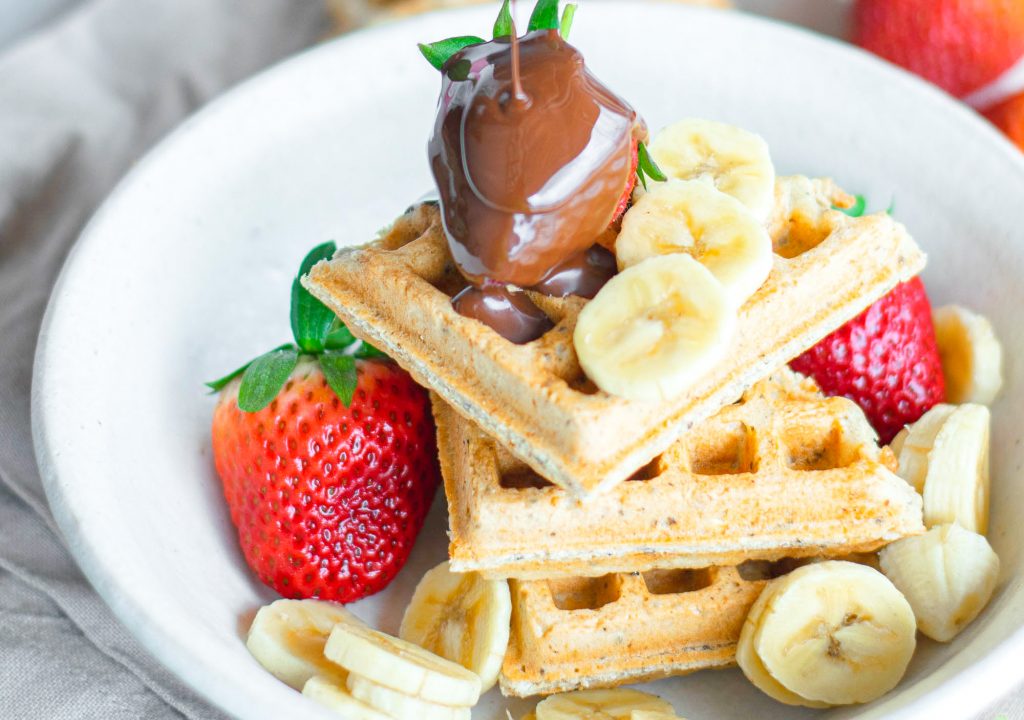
x=534 y=398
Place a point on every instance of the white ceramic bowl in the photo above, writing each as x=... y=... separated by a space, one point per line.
x=185 y=272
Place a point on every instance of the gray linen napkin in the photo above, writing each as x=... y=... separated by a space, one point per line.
x=79 y=103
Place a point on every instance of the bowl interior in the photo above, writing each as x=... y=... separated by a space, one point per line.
x=185 y=272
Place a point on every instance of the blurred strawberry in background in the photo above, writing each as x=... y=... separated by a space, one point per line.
x=1009 y=117
x=962 y=46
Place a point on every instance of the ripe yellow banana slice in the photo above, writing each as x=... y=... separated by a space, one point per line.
x=972 y=358
x=754 y=669
x=956 y=487
x=691 y=217
x=835 y=632
x=734 y=160
x=653 y=715
x=655 y=328
x=398 y=705
x=751 y=665
x=913 y=444
x=600 y=705
x=461 y=617
x=402 y=666
x=948 y=575
x=336 y=698
x=287 y=637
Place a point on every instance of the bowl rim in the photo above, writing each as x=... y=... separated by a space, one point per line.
x=986 y=676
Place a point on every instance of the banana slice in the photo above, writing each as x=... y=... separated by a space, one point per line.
x=972 y=358
x=897 y=442
x=956 y=488
x=913 y=444
x=751 y=665
x=734 y=160
x=600 y=705
x=835 y=632
x=463 y=618
x=401 y=666
x=655 y=328
x=692 y=217
x=948 y=575
x=398 y=705
x=287 y=637
x=325 y=692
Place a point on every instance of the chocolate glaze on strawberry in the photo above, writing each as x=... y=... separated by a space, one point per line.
x=531 y=159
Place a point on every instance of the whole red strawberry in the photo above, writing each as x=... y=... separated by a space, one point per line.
x=960 y=45
x=885 y=360
x=327 y=457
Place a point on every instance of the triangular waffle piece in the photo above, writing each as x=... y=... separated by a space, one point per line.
x=784 y=473
x=578 y=633
x=534 y=398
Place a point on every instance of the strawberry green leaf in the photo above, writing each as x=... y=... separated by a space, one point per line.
x=545 y=16
x=858 y=207
x=504 y=26
x=263 y=379
x=366 y=351
x=892 y=206
x=440 y=52
x=646 y=167
x=221 y=383
x=342 y=339
x=567 y=17
x=340 y=372
x=311 y=319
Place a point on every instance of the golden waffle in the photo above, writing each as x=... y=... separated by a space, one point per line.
x=577 y=633
x=534 y=398
x=784 y=473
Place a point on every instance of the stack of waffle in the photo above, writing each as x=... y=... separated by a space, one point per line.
x=636 y=535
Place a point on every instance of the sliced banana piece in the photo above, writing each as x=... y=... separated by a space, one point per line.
x=402 y=666
x=655 y=328
x=835 y=632
x=325 y=692
x=399 y=705
x=913 y=444
x=956 y=488
x=897 y=442
x=461 y=617
x=691 y=217
x=734 y=160
x=972 y=357
x=653 y=715
x=287 y=637
x=600 y=705
x=948 y=575
x=751 y=665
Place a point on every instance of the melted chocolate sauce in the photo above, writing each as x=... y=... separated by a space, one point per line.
x=510 y=313
x=582 y=274
x=531 y=154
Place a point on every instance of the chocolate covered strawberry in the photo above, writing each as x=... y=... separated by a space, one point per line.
x=886 y=360
x=327 y=457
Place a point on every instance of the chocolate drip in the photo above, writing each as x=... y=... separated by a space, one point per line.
x=527 y=181
x=583 y=274
x=510 y=313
